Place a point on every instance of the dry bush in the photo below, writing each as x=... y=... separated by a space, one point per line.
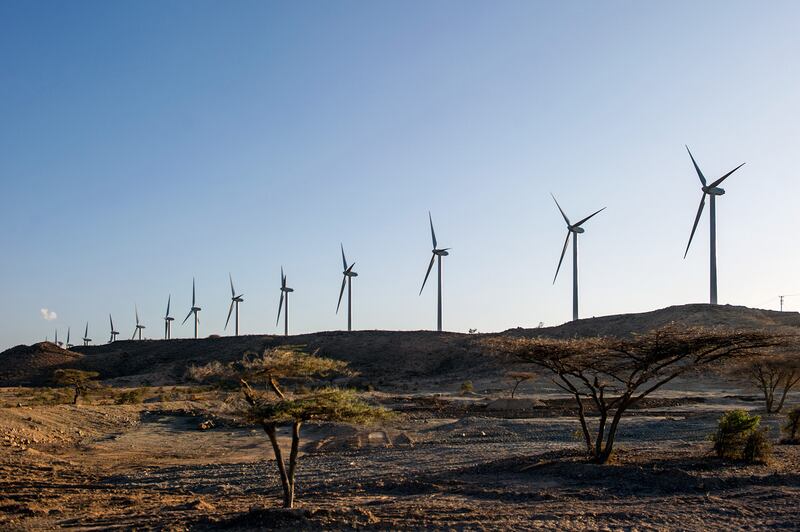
x=613 y=374
x=792 y=427
x=130 y=397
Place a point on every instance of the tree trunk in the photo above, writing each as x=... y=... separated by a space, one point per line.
x=582 y=417
x=288 y=499
x=601 y=432
x=77 y=394
x=612 y=434
x=790 y=382
x=293 y=460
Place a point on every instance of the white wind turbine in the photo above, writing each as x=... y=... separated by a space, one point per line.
x=139 y=326
x=194 y=310
x=437 y=255
x=114 y=333
x=285 y=291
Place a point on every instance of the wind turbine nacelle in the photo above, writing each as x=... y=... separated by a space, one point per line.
x=196 y=309
x=169 y=319
x=714 y=191
x=288 y=289
x=577 y=229
x=441 y=252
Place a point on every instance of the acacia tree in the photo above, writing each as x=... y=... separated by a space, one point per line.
x=613 y=374
x=81 y=381
x=774 y=375
x=277 y=406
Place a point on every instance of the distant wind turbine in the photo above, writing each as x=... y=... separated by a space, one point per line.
x=572 y=230
x=347 y=276
x=67 y=344
x=235 y=300
x=86 y=339
x=139 y=326
x=712 y=190
x=59 y=343
x=285 y=291
x=113 y=332
x=168 y=320
x=194 y=310
x=437 y=255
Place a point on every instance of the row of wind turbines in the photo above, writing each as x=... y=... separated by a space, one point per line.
x=709 y=190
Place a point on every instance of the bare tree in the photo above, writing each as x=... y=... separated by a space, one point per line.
x=612 y=374
x=275 y=406
x=774 y=375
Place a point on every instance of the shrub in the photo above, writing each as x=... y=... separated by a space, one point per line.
x=792 y=427
x=130 y=397
x=467 y=387
x=757 y=448
x=738 y=437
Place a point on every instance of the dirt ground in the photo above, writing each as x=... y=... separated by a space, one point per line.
x=447 y=463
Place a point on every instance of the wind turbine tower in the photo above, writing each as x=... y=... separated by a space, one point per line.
x=711 y=190
x=573 y=230
x=168 y=321
x=235 y=300
x=285 y=291
x=347 y=277
x=194 y=310
x=113 y=332
x=437 y=255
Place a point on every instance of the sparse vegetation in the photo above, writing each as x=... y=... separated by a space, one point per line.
x=467 y=387
x=613 y=374
x=130 y=397
x=81 y=381
x=276 y=407
x=519 y=377
x=739 y=437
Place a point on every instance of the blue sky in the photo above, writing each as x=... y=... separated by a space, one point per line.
x=143 y=143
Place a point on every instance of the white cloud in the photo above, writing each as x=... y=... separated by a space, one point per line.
x=47 y=314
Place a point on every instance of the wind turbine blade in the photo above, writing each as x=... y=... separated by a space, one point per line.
x=111 y=322
x=585 y=219
x=430 y=267
x=723 y=178
x=187 y=317
x=233 y=292
x=696 y=221
x=86 y=331
x=341 y=293
x=563 y=251
x=560 y=209
x=136 y=310
x=350 y=269
x=283 y=279
x=344 y=260
x=229 y=314
x=433 y=233
x=193 y=304
x=280 y=306
x=699 y=173
x=169 y=299
x=134 y=333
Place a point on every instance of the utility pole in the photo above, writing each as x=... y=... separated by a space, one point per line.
x=781 y=298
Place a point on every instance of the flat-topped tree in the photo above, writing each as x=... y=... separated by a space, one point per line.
x=774 y=374
x=277 y=406
x=613 y=374
x=81 y=381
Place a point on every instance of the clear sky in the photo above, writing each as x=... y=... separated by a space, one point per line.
x=143 y=143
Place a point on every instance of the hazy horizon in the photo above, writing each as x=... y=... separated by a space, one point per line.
x=146 y=143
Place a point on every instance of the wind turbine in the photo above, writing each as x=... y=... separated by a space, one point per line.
x=194 y=310
x=712 y=190
x=347 y=277
x=139 y=326
x=168 y=320
x=235 y=300
x=86 y=338
x=437 y=255
x=59 y=343
x=572 y=230
x=67 y=344
x=285 y=290
x=113 y=332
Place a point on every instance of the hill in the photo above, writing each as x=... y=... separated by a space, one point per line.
x=382 y=357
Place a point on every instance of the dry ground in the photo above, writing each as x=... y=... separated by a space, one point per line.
x=150 y=466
